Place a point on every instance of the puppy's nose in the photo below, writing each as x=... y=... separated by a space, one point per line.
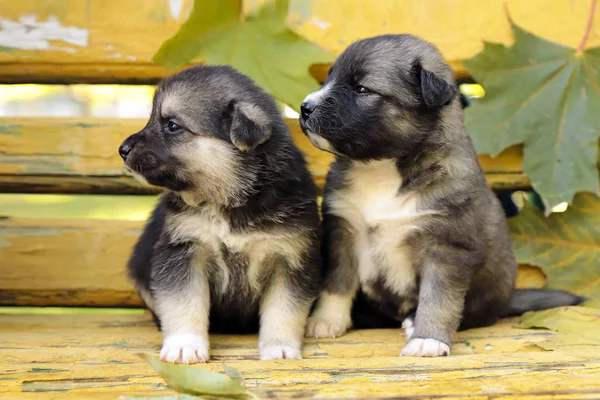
x=306 y=109
x=124 y=150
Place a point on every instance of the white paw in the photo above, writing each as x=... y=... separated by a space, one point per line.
x=279 y=352
x=425 y=348
x=184 y=348
x=326 y=327
x=409 y=327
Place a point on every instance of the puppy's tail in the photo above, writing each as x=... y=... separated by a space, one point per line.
x=524 y=300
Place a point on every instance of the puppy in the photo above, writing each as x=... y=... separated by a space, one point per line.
x=234 y=240
x=412 y=232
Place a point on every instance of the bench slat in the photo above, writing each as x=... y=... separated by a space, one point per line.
x=81 y=262
x=94 y=357
x=79 y=155
x=106 y=45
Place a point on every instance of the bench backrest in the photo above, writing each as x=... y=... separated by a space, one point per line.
x=81 y=262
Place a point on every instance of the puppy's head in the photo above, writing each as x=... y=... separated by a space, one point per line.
x=207 y=123
x=382 y=98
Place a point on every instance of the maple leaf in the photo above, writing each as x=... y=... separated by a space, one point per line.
x=577 y=328
x=546 y=96
x=260 y=46
x=194 y=380
x=565 y=245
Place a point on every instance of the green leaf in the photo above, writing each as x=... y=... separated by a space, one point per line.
x=233 y=373
x=546 y=96
x=176 y=397
x=576 y=328
x=205 y=15
x=261 y=46
x=565 y=245
x=198 y=381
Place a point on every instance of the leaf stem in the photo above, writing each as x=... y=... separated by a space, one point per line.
x=588 y=28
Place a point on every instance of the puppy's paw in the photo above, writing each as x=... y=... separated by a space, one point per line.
x=425 y=348
x=326 y=327
x=409 y=327
x=185 y=348
x=275 y=351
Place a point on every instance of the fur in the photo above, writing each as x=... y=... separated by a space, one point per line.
x=412 y=232
x=234 y=241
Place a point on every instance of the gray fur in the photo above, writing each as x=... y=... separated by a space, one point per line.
x=407 y=210
x=233 y=242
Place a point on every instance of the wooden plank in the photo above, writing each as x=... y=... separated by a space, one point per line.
x=94 y=41
x=66 y=262
x=94 y=356
x=105 y=44
x=81 y=262
x=79 y=155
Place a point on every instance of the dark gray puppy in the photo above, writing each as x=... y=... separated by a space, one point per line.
x=235 y=237
x=412 y=232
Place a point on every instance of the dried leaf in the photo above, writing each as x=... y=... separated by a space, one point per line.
x=592 y=303
x=576 y=328
x=194 y=380
x=546 y=96
x=565 y=245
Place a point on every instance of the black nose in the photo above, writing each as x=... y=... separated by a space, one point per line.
x=124 y=150
x=306 y=109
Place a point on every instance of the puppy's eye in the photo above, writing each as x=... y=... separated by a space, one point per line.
x=172 y=127
x=362 y=89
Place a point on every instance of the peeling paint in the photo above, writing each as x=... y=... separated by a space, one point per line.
x=7 y=232
x=29 y=34
x=10 y=129
x=323 y=25
x=175 y=7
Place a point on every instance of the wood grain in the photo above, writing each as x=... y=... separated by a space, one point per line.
x=114 y=47
x=81 y=262
x=66 y=262
x=94 y=356
x=79 y=155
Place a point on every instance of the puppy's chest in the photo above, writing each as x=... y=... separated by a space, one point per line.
x=210 y=227
x=382 y=218
x=231 y=255
x=371 y=201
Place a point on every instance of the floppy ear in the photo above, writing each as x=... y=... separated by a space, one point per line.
x=249 y=126
x=435 y=91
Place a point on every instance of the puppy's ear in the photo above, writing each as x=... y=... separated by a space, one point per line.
x=435 y=91
x=249 y=126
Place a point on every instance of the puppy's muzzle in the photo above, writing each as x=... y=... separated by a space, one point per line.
x=306 y=108
x=127 y=146
x=124 y=150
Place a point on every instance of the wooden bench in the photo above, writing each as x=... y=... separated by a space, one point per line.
x=81 y=351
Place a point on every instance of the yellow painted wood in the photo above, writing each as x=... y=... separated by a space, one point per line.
x=122 y=35
x=457 y=27
x=66 y=262
x=81 y=262
x=94 y=356
x=79 y=155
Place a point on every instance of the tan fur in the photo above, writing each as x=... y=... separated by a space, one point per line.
x=184 y=320
x=331 y=317
x=209 y=227
x=282 y=323
x=371 y=200
x=215 y=168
